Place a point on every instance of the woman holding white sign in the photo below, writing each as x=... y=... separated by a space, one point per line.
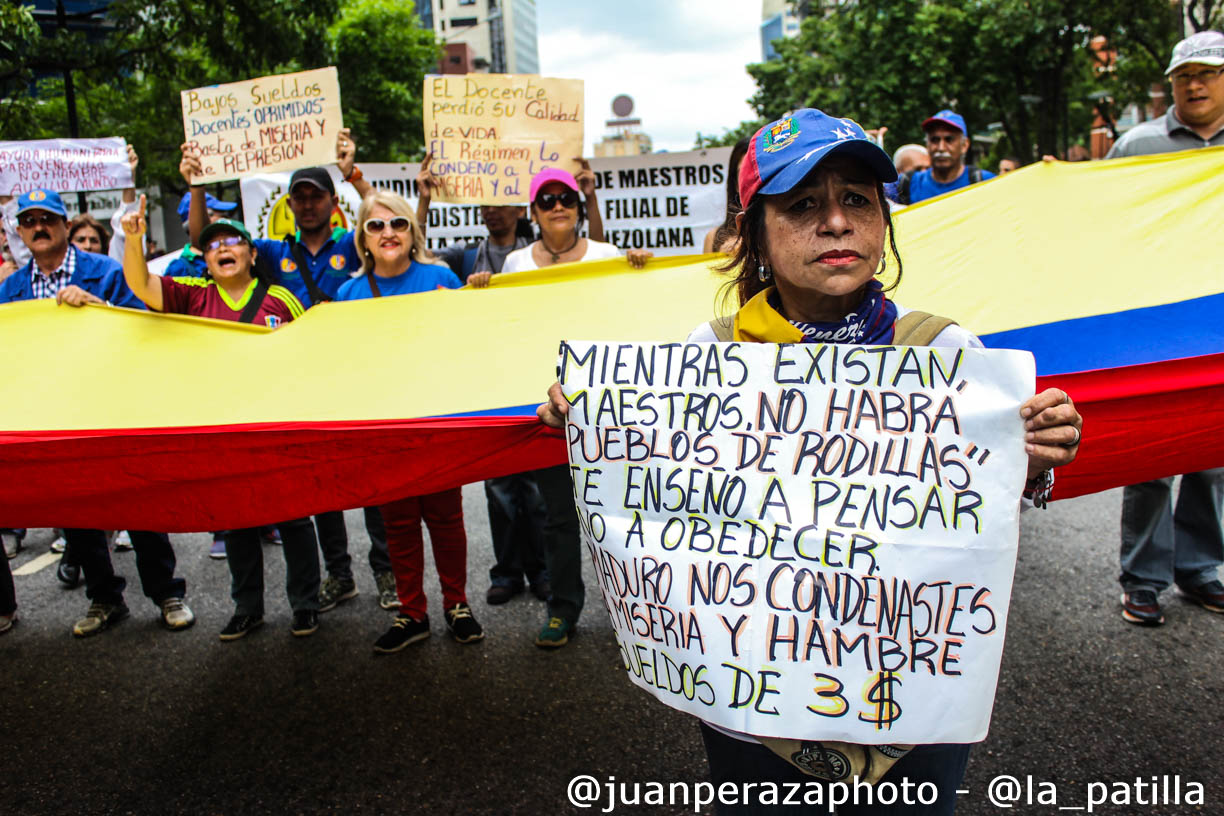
x=813 y=237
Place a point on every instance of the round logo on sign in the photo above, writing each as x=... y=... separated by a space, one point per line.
x=281 y=223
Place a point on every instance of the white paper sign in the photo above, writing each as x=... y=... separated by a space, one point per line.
x=665 y=202
x=64 y=165
x=804 y=541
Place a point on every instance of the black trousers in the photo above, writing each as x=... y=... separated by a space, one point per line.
x=155 y=562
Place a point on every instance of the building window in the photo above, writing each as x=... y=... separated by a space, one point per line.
x=467 y=2
x=463 y=22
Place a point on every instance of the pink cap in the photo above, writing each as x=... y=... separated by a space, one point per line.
x=551 y=174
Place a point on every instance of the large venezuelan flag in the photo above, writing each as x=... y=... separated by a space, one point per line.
x=119 y=419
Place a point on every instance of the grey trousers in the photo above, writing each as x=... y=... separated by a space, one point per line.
x=244 y=553
x=1162 y=544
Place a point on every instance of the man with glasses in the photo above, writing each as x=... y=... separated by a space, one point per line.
x=947 y=143
x=1197 y=116
x=1162 y=545
x=61 y=271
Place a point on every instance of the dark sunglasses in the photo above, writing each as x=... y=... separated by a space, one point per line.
x=373 y=226
x=28 y=220
x=546 y=201
x=229 y=241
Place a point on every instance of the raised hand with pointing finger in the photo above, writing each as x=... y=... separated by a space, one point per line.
x=134 y=224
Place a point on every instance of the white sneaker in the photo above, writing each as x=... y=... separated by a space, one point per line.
x=12 y=544
x=59 y=545
x=7 y=621
x=176 y=614
x=123 y=541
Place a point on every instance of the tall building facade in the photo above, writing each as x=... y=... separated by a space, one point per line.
x=501 y=33
x=778 y=20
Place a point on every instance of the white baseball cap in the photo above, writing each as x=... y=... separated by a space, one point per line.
x=1206 y=47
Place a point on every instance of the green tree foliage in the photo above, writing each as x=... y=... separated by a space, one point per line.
x=1021 y=66
x=129 y=80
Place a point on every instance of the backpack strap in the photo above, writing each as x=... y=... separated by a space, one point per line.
x=975 y=174
x=257 y=299
x=724 y=328
x=469 y=261
x=919 y=328
x=371 y=279
x=299 y=255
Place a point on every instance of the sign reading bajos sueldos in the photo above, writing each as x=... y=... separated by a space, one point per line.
x=804 y=541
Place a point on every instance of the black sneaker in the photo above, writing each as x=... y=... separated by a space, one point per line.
x=240 y=625
x=68 y=574
x=305 y=622
x=336 y=591
x=404 y=630
x=1141 y=606
x=463 y=627
x=1210 y=595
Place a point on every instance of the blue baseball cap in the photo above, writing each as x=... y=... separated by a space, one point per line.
x=211 y=202
x=48 y=200
x=784 y=152
x=949 y=118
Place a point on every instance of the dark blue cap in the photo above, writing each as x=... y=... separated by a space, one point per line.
x=949 y=118
x=48 y=200
x=211 y=202
x=784 y=152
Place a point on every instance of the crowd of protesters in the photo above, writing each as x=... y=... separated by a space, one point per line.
x=780 y=204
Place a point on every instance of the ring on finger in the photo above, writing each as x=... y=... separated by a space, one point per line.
x=1074 y=441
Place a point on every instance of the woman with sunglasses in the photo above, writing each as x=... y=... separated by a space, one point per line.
x=558 y=210
x=236 y=287
x=395 y=261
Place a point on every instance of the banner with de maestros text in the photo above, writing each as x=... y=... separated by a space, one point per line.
x=804 y=541
x=664 y=202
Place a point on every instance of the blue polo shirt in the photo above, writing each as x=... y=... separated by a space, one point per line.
x=329 y=268
x=923 y=185
x=99 y=275
x=418 y=277
x=189 y=264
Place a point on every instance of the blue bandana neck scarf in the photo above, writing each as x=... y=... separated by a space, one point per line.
x=871 y=324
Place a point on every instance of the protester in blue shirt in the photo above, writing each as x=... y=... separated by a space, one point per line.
x=947 y=141
x=61 y=271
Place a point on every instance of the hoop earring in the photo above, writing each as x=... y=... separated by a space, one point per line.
x=883 y=266
x=764 y=273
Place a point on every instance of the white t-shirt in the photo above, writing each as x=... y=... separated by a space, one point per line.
x=520 y=260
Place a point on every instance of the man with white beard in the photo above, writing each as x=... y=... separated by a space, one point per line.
x=947 y=141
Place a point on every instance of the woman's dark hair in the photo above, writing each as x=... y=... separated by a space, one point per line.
x=86 y=220
x=577 y=225
x=750 y=255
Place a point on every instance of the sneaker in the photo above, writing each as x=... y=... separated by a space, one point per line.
x=404 y=630
x=388 y=598
x=305 y=622
x=1210 y=595
x=68 y=574
x=12 y=544
x=501 y=593
x=240 y=625
x=463 y=627
x=1141 y=606
x=175 y=614
x=59 y=545
x=7 y=621
x=123 y=541
x=217 y=550
x=336 y=591
x=555 y=634
x=100 y=616
x=270 y=535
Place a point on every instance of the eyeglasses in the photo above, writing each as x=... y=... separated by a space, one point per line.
x=229 y=241
x=1204 y=77
x=29 y=220
x=373 y=226
x=546 y=201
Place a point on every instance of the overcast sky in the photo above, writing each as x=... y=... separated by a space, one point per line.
x=682 y=61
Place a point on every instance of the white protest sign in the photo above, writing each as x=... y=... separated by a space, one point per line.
x=804 y=541
x=64 y=165
x=635 y=196
x=279 y=122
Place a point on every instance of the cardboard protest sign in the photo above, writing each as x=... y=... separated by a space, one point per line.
x=804 y=541
x=635 y=194
x=64 y=165
x=279 y=122
x=490 y=133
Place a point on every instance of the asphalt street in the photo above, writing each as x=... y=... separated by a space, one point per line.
x=140 y=720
